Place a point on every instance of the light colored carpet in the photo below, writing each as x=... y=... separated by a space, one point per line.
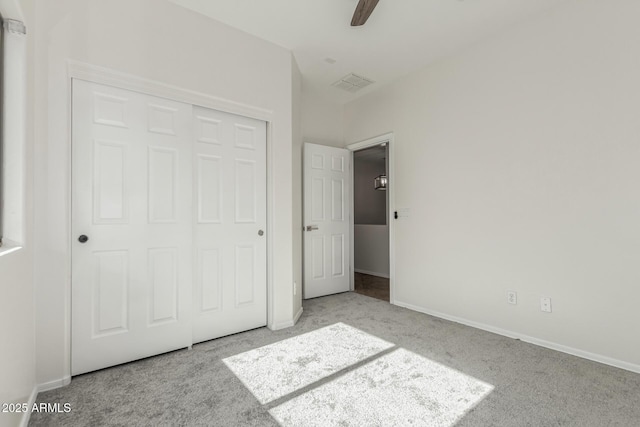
x=532 y=386
x=276 y=370
x=397 y=389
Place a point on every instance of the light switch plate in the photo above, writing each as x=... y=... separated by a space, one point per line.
x=404 y=212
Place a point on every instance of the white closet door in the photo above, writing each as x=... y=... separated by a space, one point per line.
x=132 y=199
x=230 y=292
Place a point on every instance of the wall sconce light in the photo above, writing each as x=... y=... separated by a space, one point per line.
x=380 y=182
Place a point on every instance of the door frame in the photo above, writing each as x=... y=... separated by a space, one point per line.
x=371 y=142
x=100 y=75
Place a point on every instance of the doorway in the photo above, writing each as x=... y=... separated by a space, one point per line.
x=372 y=218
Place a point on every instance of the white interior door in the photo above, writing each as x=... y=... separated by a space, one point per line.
x=326 y=220
x=132 y=199
x=230 y=293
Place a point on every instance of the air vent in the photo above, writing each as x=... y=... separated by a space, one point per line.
x=352 y=83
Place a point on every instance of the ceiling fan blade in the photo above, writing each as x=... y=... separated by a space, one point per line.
x=363 y=11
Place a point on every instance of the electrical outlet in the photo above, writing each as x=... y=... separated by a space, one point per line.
x=545 y=304
x=295 y=288
x=512 y=297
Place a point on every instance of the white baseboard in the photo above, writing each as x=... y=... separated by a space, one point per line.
x=531 y=340
x=281 y=325
x=26 y=416
x=52 y=385
x=371 y=273
x=39 y=388
x=288 y=323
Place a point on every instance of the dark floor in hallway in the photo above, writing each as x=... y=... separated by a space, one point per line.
x=372 y=286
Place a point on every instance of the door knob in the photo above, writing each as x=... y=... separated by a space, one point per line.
x=260 y=233
x=83 y=238
x=312 y=227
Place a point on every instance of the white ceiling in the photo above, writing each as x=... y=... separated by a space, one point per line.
x=401 y=36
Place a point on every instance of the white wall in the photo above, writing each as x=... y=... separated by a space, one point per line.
x=520 y=162
x=371 y=249
x=160 y=41
x=17 y=353
x=322 y=120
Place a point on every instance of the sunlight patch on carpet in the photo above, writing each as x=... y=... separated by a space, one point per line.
x=397 y=389
x=276 y=370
